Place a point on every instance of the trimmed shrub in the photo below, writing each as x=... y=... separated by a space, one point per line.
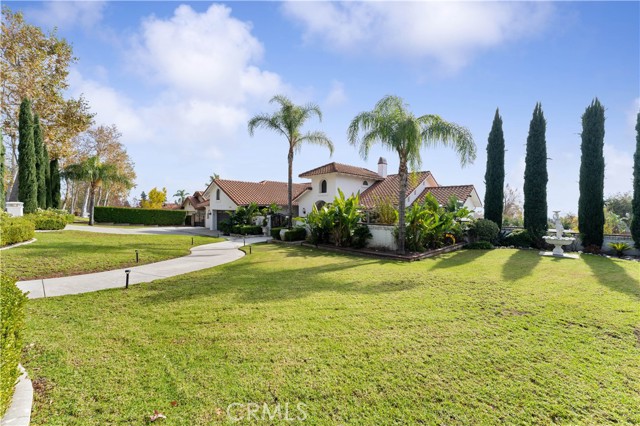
x=485 y=230
x=46 y=222
x=50 y=219
x=15 y=230
x=360 y=236
x=480 y=245
x=519 y=238
x=12 y=306
x=295 y=234
x=275 y=233
x=139 y=216
x=247 y=229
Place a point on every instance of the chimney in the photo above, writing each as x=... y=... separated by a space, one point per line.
x=382 y=167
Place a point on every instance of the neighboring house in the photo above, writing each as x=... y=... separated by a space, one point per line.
x=196 y=207
x=223 y=196
x=226 y=196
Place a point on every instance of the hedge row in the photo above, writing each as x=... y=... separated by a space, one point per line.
x=15 y=230
x=295 y=234
x=247 y=229
x=47 y=222
x=12 y=306
x=139 y=216
x=275 y=233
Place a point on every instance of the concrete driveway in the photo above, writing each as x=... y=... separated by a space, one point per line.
x=148 y=230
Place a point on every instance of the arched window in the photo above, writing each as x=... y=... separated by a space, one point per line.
x=365 y=183
x=323 y=187
x=319 y=204
x=217 y=194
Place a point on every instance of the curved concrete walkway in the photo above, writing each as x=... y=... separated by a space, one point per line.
x=201 y=257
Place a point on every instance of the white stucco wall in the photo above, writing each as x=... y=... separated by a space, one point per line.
x=382 y=237
x=224 y=203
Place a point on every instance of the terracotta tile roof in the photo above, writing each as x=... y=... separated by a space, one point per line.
x=389 y=188
x=171 y=206
x=197 y=200
x=344 y=169
x=263 y=193
x=443 y=193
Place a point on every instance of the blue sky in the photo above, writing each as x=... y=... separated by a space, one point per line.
x=180 y=80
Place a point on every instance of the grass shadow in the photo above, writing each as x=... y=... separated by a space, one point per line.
x=255 y=282
x=611 y=274
x=456 y=259
x=520 y=264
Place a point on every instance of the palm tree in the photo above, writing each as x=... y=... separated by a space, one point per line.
x=288 y=121
x=392 y=125
x=181 y=194
x=93 y=171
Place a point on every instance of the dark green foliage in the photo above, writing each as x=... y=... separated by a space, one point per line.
x=484 y=230
x=275 y=233
x=494 y=175
x=247 y=229
x=27 y=177
x=536 y=177
x=591 y=201
x=518 y=238
x=2 y=188
x=139 y=216
x=55 y=184
x=295 y=234
x=12 y=323
x=15 y=230
x=635 y=222
x=360 y=236
x=479 y=245
x=47 y=177
x=41 y=162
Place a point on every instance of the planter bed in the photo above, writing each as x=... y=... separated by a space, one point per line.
x=382 y=254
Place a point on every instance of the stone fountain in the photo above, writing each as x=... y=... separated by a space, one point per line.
x=558 y=240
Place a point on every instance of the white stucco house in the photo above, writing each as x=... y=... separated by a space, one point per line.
x=225 y=196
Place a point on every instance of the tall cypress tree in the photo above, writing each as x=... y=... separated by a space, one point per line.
x=635 y=205
x=536 y=177
x=3 y=195
x=591 y=201
x=55 y=184
x=27 y=178
x=47 y=175
x=41 y=166
x=494 y=175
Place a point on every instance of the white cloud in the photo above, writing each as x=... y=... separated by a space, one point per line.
x=66 y=14
x=449 y=32
x=337 y=95
x=210 y=55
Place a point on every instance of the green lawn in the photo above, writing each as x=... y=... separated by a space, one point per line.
x=469 y=338
x=63 y=253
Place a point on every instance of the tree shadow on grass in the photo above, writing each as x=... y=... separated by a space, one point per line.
x=455 y=259
x=611 y=274
x=256 y=282
x=520 y=264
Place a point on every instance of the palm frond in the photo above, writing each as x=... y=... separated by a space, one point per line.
x=315 y=138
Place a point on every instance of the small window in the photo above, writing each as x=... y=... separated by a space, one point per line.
x=365 y=183
x=217 y=194
x=323 y=187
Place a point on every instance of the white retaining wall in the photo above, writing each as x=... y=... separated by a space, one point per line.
x=382 y=237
